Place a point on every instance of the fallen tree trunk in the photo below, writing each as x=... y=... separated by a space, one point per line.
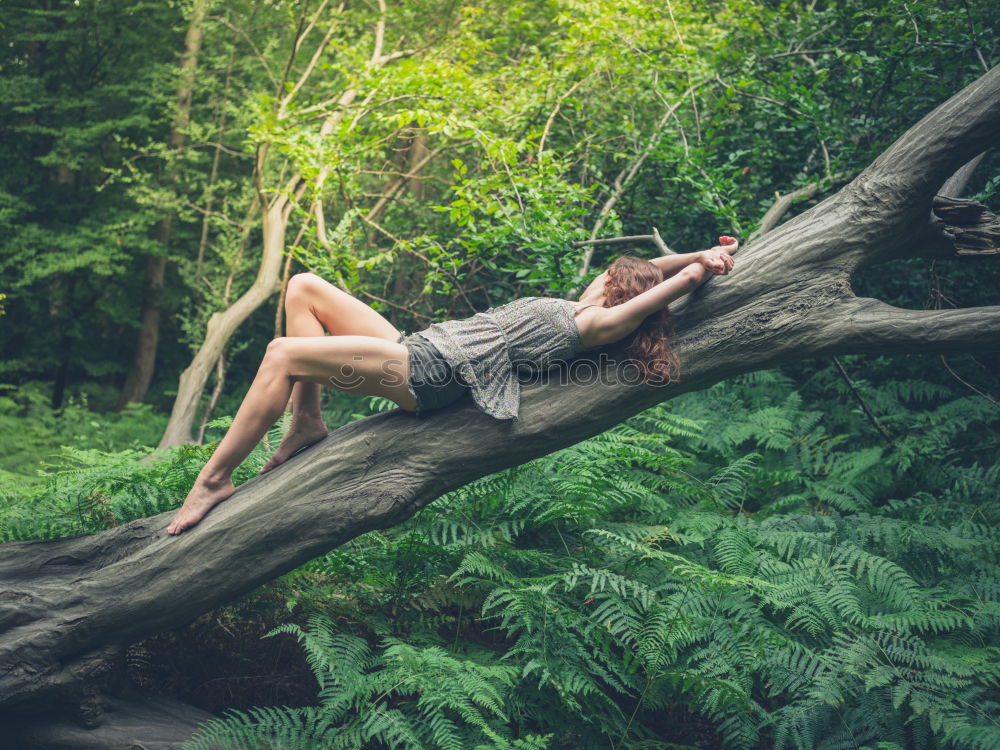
x=133 y=721
x=67 y=604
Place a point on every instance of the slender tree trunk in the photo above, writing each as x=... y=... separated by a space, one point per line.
x=220 y=381
x=61 y=291
x=140 y=375
x=144 y=360
x=416 y=157
x=222 y=325
x=213 y=176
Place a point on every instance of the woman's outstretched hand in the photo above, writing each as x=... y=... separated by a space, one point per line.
x=719 y=260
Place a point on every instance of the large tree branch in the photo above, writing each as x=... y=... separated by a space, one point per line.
x=954 y=186
x=905 y=177
x=963 y=227
x=783 y=203
x=860 y=325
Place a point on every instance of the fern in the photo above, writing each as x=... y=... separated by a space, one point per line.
x=756 y=557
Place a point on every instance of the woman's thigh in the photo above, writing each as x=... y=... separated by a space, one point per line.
x=339 y=312
x=362 y=365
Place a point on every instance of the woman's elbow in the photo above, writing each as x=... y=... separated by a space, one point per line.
x=692 y=276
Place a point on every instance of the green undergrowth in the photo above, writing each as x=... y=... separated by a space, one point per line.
x=33 y=434
x=733 y=560
x=753 y=566
x=75 y=471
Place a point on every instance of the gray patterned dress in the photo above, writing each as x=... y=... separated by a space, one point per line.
x=485 y=350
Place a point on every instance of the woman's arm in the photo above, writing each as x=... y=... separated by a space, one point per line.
x=671 y=264
x=608 y=324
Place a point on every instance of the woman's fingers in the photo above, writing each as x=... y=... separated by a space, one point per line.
x=719 y=261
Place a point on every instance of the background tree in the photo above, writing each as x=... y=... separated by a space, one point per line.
x=141 y=373
x=74 y=76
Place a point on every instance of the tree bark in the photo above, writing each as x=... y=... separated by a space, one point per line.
x=133 y=721
x=143 y=362
x=140 y=374
x=66 y=605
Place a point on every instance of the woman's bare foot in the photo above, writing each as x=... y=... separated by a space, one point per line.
x=299 y=436
x=201 y=499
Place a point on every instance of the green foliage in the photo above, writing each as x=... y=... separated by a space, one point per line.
x=530 y=115
x=73 y=77
x=733 y=559
x=93 y=485
x=792 y=598
x=32 y=432
x=403 y=696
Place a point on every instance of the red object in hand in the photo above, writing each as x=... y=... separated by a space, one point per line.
x=724 y=240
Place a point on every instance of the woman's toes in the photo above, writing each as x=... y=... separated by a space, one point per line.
x=294 y=441
x=275 y=460
x=199 y=502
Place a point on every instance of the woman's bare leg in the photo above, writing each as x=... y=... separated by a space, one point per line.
x=312 y=305
x=308 y=426
x=364 y=365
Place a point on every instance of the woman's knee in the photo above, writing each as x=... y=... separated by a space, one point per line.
x=301 y=285
x=277 y=353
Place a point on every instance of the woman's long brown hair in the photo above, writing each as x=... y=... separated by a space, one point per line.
x=649 y=345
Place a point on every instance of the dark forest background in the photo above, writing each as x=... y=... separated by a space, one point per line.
x=800 y=558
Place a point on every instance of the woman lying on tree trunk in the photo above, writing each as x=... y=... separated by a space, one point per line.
x=423 y=371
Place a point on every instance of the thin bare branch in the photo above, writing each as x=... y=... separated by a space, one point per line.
x=257 y=53
x=406 y=308
x=555 y=111
x=967 y=384
x=400 y=182
x=625 y=176
x=324 y=104
x=207 y=212
x=784 y=202
x=673 y=21
x=654 y=238
x=317 y=53
x=801 y=52
x=768 y=99
x=861 y=401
